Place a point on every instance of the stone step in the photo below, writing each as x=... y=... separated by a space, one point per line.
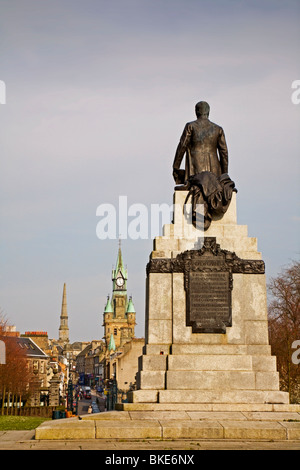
x=221 y=380
x=153 y=362
x=239 y=245
x=220 y=230
x=224 y=362
x=207 y=380
x=210 y=380
x=208 y=348
x=183 y=349
x=257 y=408
x=219 y=396
x=207 y=362
x=209 y=399
x=151 y=379
x=174 y=425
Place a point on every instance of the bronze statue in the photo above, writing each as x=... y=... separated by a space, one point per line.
x=201 y=140
x=206 y=165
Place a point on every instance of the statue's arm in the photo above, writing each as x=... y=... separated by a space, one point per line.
x=181 y=149
x=223 y=151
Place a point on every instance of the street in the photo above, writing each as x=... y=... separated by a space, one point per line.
x=84 y=403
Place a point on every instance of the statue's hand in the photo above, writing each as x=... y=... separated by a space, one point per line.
x=176 y=175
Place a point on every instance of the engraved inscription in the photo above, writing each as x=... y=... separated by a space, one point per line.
x=208 y=283
x=209 y=301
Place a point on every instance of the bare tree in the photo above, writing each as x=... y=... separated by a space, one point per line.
x=3 y=323
x=284 y=327
x=14 y=374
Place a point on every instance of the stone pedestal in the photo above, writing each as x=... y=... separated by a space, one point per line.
x=54 y=392
x=183 y=366
x=35 y=396
x=191 y=385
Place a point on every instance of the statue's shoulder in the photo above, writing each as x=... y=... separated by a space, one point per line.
x=218 y=129
x=191 y=124
x=214 y=124
x=207 y=124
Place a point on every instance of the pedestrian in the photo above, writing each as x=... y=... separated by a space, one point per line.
x=90 y=409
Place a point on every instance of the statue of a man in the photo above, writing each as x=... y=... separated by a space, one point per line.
x=206 y=166
x=205 y=147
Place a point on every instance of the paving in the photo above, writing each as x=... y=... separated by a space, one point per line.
x=25 y=440
x=152 y=428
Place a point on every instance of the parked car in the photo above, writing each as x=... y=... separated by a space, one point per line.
x=87 y=394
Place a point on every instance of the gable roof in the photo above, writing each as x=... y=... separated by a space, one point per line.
x=28 y=346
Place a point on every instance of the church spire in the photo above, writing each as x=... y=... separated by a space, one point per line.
x=64 y=328
x=119 y=264
x=111 y=345
x=119 y=274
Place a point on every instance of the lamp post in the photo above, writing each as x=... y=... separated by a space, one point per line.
x=70 y=395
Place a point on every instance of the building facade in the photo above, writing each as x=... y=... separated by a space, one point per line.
x=89 y=363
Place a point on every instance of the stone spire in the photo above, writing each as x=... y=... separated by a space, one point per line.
x=111 y=345
x=130 y=306
x=108 y=306
x=64 y=328
x=120 y=272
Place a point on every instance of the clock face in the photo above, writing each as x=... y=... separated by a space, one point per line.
x=120 y=281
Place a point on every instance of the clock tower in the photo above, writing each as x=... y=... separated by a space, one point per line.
x=119 y=314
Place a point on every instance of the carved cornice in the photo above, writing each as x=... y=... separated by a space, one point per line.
x=208 y=283
x=217 y=259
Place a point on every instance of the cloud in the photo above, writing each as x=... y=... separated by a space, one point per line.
x=98 y=94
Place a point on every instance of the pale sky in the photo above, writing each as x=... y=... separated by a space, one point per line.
x=97 y=96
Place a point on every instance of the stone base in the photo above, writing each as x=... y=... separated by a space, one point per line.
x=164 y=424
x=212 y=370
x=233 y=397
x=209 y=407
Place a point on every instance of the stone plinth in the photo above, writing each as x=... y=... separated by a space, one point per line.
x=180 y=366
x=160 y=424
x=54 y=392
x=212 y=386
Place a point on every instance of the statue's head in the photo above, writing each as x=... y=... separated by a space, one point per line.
x=202 y=109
